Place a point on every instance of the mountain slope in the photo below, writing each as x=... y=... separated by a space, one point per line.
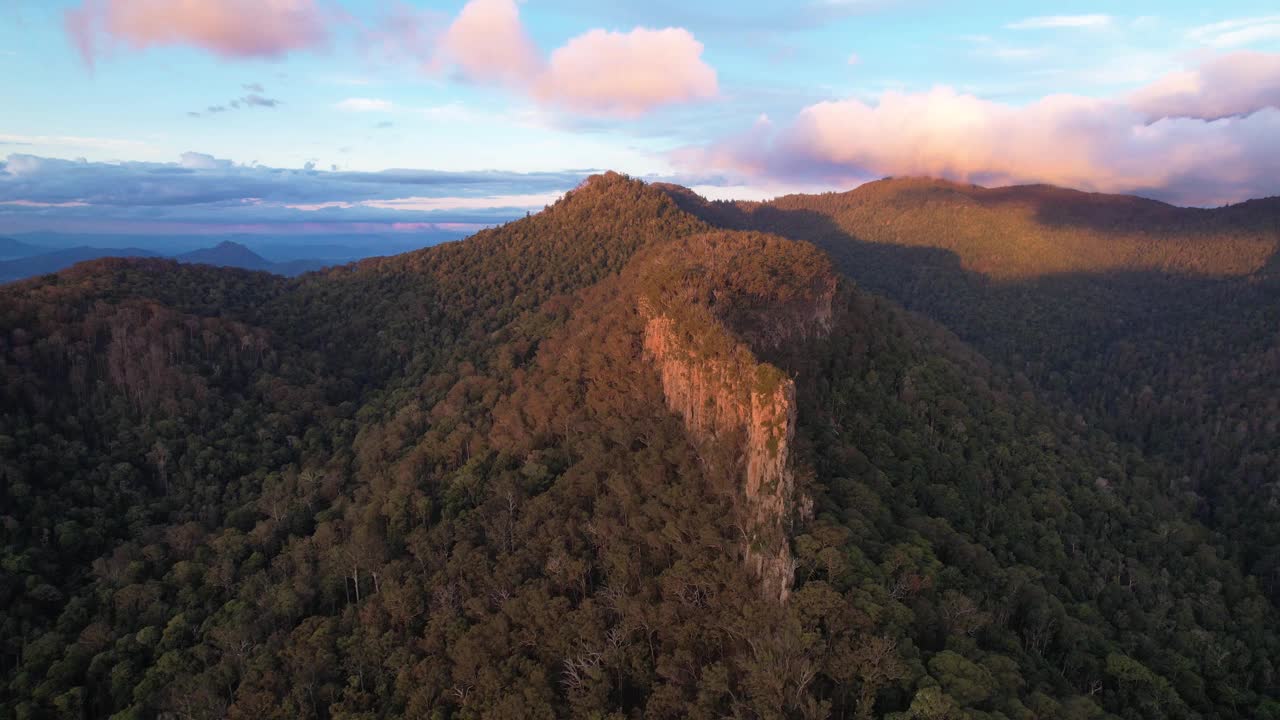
x=1152 y=322
x=605 y=461
x=1021 y=232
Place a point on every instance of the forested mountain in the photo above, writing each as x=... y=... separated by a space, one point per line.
x=636 y=456
x=1159 y=324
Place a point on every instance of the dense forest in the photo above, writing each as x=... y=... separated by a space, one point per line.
x=1153 y=322
x=644 y=456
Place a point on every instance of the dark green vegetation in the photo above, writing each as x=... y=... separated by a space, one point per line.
x=446 y=484
x=1159 y=325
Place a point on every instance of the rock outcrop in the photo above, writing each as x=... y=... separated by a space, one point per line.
x=703 y=352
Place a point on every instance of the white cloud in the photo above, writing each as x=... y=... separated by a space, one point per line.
x=521 y=201
x=203 y=161
x=1238 y=32
x=365 y=105
x=1055 y=22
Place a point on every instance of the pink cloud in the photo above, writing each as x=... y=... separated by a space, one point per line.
x=228 y=28
x=627 y=74
x=1235 y=84
x=1204 y=137
x=1087 y=143
x=489 y=44
x=596 y=73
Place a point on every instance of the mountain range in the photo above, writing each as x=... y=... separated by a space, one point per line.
x=918 y=450
x=20 y=260
x=10 y=248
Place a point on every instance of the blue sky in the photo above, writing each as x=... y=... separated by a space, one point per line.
x=744 y=99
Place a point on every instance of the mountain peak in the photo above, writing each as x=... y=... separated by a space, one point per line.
x=227 y=253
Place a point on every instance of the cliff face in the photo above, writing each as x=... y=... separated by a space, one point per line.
x=726 y=396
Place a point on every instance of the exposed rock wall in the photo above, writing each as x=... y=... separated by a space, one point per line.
x=734 y=398
x=752 y=405
x=712 y=304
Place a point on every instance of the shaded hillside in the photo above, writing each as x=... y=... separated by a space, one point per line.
x=1023 y=232
x=1155 y=323
x=601 y=462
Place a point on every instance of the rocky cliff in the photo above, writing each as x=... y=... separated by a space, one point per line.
x=700 y=335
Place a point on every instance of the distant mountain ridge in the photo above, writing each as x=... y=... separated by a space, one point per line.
x=233 y=254
x=50 y=262
x=228 y=254
x=224 y=254
x=11 y=248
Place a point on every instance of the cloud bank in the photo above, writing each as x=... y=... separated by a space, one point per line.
x=211 y=192
x=1229 y=85
x=1207 y=138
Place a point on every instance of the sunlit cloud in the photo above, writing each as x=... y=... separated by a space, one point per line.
x=1236 y=84
x=488 y=43
x=228 y=28
x=599 y=72
x=1176 y=141
x=627 y=74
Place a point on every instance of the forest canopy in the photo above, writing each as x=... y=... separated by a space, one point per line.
x=455 y=483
